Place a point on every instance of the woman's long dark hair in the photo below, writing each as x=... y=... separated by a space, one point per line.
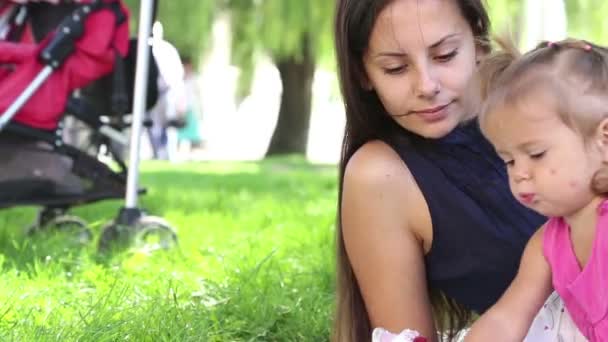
x=366 y=119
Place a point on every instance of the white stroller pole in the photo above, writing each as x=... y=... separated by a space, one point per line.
x=133 y=225
x=139 y=100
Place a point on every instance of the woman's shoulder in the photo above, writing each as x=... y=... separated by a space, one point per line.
x=377 y=164
x=379 y=179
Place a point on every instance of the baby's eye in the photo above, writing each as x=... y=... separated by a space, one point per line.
x=538 y=155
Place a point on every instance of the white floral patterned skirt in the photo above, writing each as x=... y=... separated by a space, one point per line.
x=553 y=323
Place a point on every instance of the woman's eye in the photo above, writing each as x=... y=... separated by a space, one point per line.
x=395 y=70
x=509 y=163
x=447 y=57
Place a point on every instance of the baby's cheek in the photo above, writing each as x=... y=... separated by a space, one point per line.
x=564 y=180
x=577 y=186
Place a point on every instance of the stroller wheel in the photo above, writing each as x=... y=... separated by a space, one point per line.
x=113 y=235
x=154 y=233
x=74 y=226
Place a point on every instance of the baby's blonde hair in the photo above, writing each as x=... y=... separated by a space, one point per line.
x=571 y=74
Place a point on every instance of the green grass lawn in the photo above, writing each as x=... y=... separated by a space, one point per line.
x=255 y=262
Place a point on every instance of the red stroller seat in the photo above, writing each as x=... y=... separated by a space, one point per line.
x=38 y=169
x=94 y=56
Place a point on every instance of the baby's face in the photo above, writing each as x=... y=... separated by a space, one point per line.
x=550 y=165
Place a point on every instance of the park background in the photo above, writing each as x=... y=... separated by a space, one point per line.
x=255 y=207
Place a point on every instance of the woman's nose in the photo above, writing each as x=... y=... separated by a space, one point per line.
x=428 y=85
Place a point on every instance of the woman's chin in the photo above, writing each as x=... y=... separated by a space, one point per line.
x=437 y=130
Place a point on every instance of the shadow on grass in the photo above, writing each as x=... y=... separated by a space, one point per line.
x=179 y=190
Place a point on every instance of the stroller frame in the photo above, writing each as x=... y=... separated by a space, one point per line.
x=131 y=224
x=131 y=216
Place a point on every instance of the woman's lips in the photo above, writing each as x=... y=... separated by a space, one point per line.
x=432 y=114
x=430 y=110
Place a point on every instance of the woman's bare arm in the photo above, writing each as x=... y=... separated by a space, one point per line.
x=510 y=318
x=386 y=228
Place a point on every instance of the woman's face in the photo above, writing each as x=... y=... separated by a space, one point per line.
x=421 y=56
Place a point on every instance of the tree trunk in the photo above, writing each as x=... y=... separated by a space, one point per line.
x=291 y=132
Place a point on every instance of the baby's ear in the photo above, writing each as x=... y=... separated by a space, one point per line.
x=602 y=138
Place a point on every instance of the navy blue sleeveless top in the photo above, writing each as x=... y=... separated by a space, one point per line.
x=479 y=228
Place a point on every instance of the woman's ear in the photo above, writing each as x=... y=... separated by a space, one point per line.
x=365 y=82
x=361 y=74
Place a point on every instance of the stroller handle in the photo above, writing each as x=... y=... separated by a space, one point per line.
x=54 y=55
x=70 y=29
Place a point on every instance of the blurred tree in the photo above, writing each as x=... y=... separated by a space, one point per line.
x=187 y=23
x=297 y=35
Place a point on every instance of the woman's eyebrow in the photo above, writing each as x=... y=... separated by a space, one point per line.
x=390 y=54
x=442 y=40
x=402 y=54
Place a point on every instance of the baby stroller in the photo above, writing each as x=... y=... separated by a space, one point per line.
x=79 y=64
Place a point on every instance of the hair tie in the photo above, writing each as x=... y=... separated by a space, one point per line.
x=587 y=47
x=551 y=44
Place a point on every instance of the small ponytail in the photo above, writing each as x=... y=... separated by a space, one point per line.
x=489 y=71
x=599 y=183
x=492 y=67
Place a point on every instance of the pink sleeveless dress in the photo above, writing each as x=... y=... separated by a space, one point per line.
x=583 y=290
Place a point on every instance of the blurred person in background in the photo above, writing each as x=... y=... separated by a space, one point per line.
x=168 y=113
x=190 y=136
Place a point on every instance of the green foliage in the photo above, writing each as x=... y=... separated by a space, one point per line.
x=587 y=19
x=279 y=28
x=504 y=16
x=187 y=23
x=255 y=262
